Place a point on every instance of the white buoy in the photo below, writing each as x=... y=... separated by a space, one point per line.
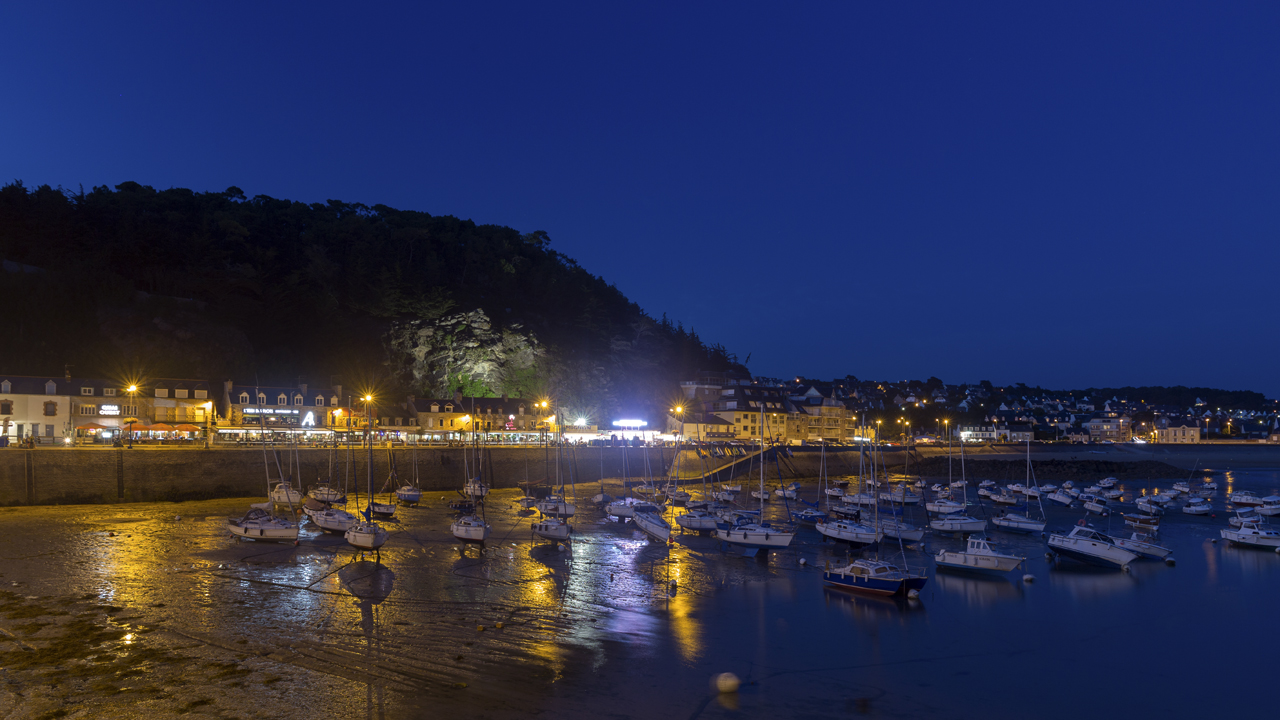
x=177 y=517
x=913 y=594
x=1028 y=578
x=1171 y=562
x=802 y=561
x=725 y=683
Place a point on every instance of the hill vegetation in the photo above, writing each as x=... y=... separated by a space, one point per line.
x=134 y=281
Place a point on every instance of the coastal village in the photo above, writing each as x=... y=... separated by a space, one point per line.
x=714 y=407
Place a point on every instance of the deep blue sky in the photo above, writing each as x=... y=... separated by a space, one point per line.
x=1055 y=193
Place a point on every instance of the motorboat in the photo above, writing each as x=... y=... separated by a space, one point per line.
x=834 y=492
x=1146 y=505
x=1162 y=499
x=958 y=483
x=552 y=529
x=366 y=535
x=1197 y=506
x=900 y=496
x=890 y=527
x=1016 y=488
x=326 y=493
x=1107 y=482
x=978 y=556
x=1094 y=504
x=943 y=506
x=1182 y=487
x=1048 y=488
x=677 y=496
x=1245 y=498
x=1245 y=515
x=862 y=499
x=1252 y=534
x=285 y=494
x=1090 y=546
x=697 y=520
x=788 y=492
x=382 y=509
x=1270 y=506
x=851 y=532
x=808 y=516
x=984 y=492
x=1144 y=545
x=761 y=495
x=874 y=576
x=1093 y=490
x=1210 y=485
x=1061 y=497
x=987 y=484
x=1069 y=485
x=958 y=523
x=1005 y=498
x=470 y=529
x=1112 y=494
x=528 y=501
x=1074 y=493
x=408 y=494
x=1017 y=522
x=652 y=524
x=260 y=524
x=1032 y=492
x=726 y=496
x=556 y=506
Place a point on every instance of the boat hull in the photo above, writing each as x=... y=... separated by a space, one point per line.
x=755 y=538
x=873 y=585
x=958 y=525
x=653 y=526
x=982 y=564
x=1092 y=553
x=551 y=530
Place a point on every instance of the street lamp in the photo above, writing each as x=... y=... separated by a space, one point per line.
x=368 y=422
x=133 y=391
x=208 y=423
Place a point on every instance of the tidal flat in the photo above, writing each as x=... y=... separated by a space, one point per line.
x=152 y=610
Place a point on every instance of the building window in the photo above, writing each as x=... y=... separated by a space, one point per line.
x=262 y=398
x=5 y=387
x=297 y=399
x=50 y=409
x=88 y=409
x=202 y=394
x=333 y=401
x=435 y=407
x=319 y=401
x=449 y=408
x=180 y=393
x=109 y=392
x=50 y=388
x=244 y=398
x=6 y=407
x=162 y=392
x=86 y=391
x=281 y=399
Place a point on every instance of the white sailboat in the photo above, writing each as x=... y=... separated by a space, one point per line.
x=1023 y=522
x=848 y=531
x=411 y=492
x=756 y=535
x=260 y=523
x=366 y=534
x=653 y=525
x=961 y=522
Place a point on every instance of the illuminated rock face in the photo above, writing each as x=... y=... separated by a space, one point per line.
x=464 y=349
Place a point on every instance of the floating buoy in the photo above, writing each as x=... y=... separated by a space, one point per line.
x=725 y=683
x=1028 y=578
x=913 y=594
x=803 y=561
x=1213 y=540
x=1171 y=562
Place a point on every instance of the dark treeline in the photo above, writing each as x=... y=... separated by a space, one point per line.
x=217 y=285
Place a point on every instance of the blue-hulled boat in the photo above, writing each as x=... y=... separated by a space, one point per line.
x=875 y=577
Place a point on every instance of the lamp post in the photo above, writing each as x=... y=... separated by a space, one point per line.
x=368 y=424
x=208 y=423
x=133 y=391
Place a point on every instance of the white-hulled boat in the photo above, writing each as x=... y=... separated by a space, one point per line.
x=1162 y=498
x=1016 y=488
x=834 y=492
x=1112 y=494
x=1245 y=498
x=260 y=524
x=326 y=518
x=788 y=492
x=1005 y=498
x=761 y=495
x=1048 y=488
x=326 y=493
x=527 y=501
x=1182 y=486
x=1245 y=515
x=735 y=489
x=1270 y=506
x=470 y=529
x=556 y=506
x=1032 y=492
x=1094 y=504
x=1145 y=505
x=1197 y=506
x=943 y=507
x=1017 y=522
x=285 y=493
x=755 y=535
x=366 y=535
x=1069 y=485
x=1074 y=493
x=1093 y=490
x=652 y=524
x=959 y=483
x=1107 y=482
x=1144 y=545
x=627 y=506
x=1061 y=497
x=987 y=484
x=552 y=529
x=1210 y=485
x=1252 y=534
x=677 y=496
x=979 y=556
x=890 y=527
x=383 y=509
x=808 y=516
x=900 y=496
x=408 y=494
x=851 y=532
x=475 y=488
x=958 y=523
x=698 y=520
x=985 y=492
x=861 y=499
x=1088 y=545
x=875 y=577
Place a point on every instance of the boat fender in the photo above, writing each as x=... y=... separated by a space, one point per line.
x=725 y=683
x=766 y=536
x=1048 y=556
x=913 y=594
x=803 y=562
x=1028 y=578
x=1171 y=562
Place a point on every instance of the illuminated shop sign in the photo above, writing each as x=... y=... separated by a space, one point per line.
x=108 y=409
x=269 y=411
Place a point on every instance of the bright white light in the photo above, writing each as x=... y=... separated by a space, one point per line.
x=580 y=422
x=629 y=423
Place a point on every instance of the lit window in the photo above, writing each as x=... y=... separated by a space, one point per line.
x=86 y=391
x=109 y=392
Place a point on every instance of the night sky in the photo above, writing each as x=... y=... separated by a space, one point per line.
x=1064 y=194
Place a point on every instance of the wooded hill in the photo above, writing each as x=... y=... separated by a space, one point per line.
x=175 y=283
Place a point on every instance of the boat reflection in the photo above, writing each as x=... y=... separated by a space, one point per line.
x=1087 y=583
x=874 y=608
x=371 y=583
x=978 y=590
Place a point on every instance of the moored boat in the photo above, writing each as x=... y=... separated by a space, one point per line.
x=1090 y=546
x=978 y=556
x=875 y=577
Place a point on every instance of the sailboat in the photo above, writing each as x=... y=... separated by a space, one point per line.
x=470 y=527
x=896 y=526
x=703 y=518
x=758 y=534
x=322 y=513
x=550 y=526
x=850 y=527
x=960 y=522
x=1020 y=522
x=260 y=523
x=366 y=534
x=411 y=492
